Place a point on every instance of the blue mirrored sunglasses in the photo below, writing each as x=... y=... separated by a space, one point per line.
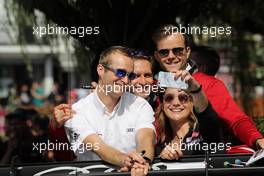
x=120 y=73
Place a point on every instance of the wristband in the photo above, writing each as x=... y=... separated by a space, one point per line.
x=197 y=90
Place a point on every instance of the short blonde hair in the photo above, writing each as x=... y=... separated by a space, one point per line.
x=113 y=49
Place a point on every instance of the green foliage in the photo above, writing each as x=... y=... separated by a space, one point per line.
x=260 y=124
x=84 y=58
x=131 y=23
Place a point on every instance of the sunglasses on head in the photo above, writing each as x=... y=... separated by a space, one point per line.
x=120 y=73
x=139 y=53
x=183 y=98
x=176 y=51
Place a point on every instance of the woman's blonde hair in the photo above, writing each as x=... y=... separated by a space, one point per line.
x=164 y=128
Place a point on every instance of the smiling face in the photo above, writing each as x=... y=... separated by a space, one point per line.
x=144 y=79
x=173 y=61
x=177 y=105
x=115 y=86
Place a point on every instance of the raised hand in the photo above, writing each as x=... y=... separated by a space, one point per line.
x=61 y=114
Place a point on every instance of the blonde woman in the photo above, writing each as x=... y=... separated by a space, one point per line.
x=179 y=128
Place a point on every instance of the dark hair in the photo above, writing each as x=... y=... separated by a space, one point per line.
x=206 y=58
x=21 y=114
x=119 y=49
x=162 y=32
x=139 y=54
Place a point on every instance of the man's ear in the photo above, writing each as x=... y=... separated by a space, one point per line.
x=188 y=51
x=100 y=69
x=156 y=56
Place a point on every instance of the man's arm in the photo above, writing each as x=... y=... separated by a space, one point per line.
x=105 y=152
x=259 y=143
x=200 y=100
x=145 y=138
x=61 y=114
x=145 y=141
x=242 y=126
x=57 y=133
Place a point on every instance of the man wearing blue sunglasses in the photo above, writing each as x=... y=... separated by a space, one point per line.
x=143 y=81
x=117 y=126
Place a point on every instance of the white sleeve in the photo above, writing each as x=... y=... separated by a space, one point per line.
x=146 y=117
x=77 y=129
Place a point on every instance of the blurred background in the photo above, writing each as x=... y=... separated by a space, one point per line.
x=38 y=72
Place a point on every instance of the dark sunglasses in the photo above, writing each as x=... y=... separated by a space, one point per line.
x=176 y=51
x=120 y=73
x=183 y=98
